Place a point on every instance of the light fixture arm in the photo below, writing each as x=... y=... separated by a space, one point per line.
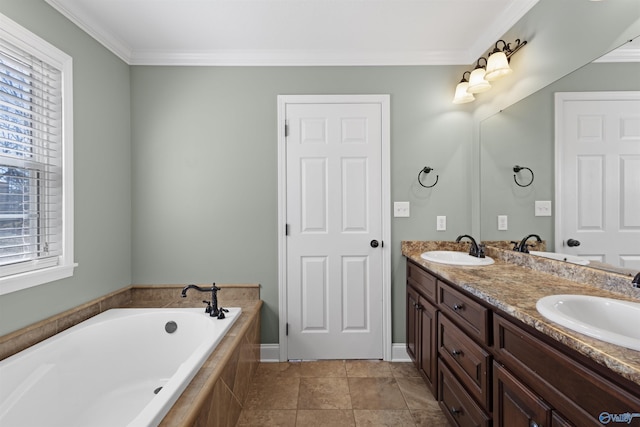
x=478 y=63
x=507 y=49
x=465 y=79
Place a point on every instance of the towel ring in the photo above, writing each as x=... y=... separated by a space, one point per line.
x=426 y=170
x=517 y=169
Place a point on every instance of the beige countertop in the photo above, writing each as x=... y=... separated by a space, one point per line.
x=515 y=289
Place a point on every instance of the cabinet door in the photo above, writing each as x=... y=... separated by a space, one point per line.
x=514 y=405
x=412 y=325
x=428 y=347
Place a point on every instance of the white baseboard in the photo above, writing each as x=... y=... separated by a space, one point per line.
x=271 y=353
x=399 y=353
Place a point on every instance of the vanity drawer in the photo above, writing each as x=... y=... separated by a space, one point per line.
x=469 y=315
x=577 y=392
x=470 y=362
x=459 y=408
x=424 y=282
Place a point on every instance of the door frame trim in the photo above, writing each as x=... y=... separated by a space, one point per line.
x=560 y=98
x=384 y=101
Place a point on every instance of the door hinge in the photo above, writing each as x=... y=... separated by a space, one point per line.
x=286 y=128
x=287 y=330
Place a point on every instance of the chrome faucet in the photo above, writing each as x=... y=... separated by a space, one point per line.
x=212 y=306
x=522 y=246
x=474 y=249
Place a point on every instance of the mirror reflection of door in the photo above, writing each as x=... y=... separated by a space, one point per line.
x=598 y=176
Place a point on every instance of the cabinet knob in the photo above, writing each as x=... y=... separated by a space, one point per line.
x=456 y=352
x=456 y=411
x=533 y=424
x=458 y=307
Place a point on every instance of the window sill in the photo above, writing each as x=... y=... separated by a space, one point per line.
x=30 y=279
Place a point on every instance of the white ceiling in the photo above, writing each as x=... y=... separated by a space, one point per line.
x=295 y=32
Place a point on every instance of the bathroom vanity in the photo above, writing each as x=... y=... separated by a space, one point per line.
x=490 y=358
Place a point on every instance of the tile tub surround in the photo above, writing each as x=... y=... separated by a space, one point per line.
x=515 y=289
x=139 y=296
x=215 y=395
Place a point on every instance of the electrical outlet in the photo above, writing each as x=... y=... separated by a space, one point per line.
x=503 y=223
x=543 y=208
x=401 y=209
x=441 y=223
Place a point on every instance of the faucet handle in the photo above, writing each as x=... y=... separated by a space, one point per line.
x=208 y=308
x=481 y=250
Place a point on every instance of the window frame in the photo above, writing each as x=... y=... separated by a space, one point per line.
x=44 y=272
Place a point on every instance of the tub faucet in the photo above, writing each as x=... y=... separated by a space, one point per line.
x=212 y=306
x=474 y=249
x=522 y=246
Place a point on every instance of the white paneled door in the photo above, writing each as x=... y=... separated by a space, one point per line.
x=334 y=242
x=598 y=176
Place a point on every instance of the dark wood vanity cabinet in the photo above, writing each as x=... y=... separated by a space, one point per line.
x=577 y=389
x=422 y=323
x=487 y=368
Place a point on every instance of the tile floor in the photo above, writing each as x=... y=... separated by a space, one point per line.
x=339 y=393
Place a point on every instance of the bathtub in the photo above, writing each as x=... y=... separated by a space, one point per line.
x=123 y=367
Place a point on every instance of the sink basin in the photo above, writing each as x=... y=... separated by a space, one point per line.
x=455 y=258
x=611 y=320
x=561 y=257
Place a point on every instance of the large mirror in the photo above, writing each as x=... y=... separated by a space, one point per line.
x=524 y=135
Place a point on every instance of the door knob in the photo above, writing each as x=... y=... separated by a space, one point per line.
x=573 y=242
x=374 y=243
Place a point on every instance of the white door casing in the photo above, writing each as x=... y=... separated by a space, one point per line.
x=598 y=175
x=335 y=291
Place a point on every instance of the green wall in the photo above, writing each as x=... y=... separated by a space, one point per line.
x=102 y=184
x=205 y=168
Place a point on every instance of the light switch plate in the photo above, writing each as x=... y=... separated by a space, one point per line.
x=503 y=223
x=543 y=208
x=401 y=209
x=441 y=223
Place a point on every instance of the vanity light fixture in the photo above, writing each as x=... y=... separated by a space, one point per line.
x=496 y=66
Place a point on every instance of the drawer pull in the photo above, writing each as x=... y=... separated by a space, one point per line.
x=456 y=411
x=456 y=352
x=458 y=307
x=533 y=424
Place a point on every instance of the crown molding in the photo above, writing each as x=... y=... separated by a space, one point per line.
x=281 y=58
x=118 y=47
x=622 y=54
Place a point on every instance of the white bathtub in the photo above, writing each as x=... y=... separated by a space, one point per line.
x=105 y=370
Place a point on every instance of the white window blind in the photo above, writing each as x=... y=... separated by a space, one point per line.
x=32 y=188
